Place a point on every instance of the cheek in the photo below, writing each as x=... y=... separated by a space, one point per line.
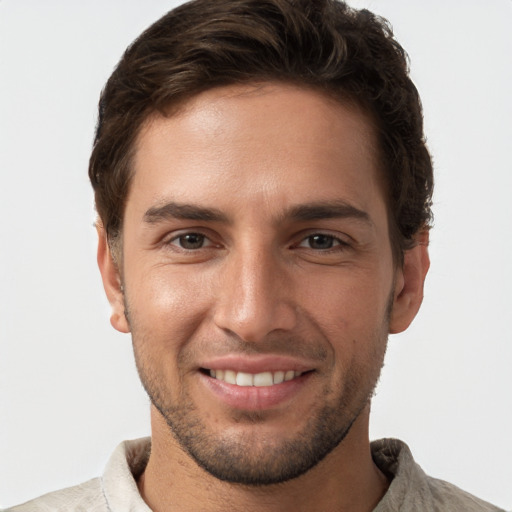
x=351 y=298
x=167 y=304
x=352 y=315
x=166 y=310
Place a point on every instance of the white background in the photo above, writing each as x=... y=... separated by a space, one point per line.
x=68 y=388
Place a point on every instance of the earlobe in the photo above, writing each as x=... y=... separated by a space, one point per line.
x=408 y=294
x=111 y=282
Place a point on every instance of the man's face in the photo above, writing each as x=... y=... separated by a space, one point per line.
x=258 y=276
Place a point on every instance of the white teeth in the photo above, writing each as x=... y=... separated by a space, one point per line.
x=230 y=377
x=249 y=379
x=244 y=379
x=289 y=375
x=263 y=379
x=278 y=377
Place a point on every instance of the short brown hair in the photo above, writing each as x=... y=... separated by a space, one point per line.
x=322 y=44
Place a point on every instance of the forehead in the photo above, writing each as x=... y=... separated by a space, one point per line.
x=259 y=141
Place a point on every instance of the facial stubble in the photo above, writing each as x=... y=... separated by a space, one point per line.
x=257 y=460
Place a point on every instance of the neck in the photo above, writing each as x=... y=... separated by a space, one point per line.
x=346 y=480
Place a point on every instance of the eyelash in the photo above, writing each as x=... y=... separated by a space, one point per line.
x=335 y=243
x=179 y=238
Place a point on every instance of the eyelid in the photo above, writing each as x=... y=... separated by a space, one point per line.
x=336 y=241
x=170 y=238
x=339 y=239
x=177 y=237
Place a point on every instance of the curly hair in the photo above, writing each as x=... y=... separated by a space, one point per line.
x=321 y=44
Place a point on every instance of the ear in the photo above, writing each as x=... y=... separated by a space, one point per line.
x=408 y=294
x=111 y=282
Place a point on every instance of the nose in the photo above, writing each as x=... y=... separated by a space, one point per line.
x=255 y=296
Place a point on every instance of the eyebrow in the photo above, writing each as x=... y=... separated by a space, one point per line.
x=327 y=210
x=174 y=210
x=300 y=213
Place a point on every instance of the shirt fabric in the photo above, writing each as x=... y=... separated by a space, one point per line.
x=116 y=491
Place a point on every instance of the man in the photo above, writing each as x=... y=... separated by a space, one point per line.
x=263 y=192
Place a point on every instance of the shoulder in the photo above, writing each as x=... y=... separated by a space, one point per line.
x=411 y=489
x=87 y=496
x=115 y=490
x=447 y=496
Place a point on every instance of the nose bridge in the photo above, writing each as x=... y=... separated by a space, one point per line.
x=254 y=298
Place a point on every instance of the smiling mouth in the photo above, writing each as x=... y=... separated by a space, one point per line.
x=253 y=379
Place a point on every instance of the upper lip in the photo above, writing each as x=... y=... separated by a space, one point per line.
x=257 y=364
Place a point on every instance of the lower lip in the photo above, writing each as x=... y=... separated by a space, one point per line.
x=255 y=398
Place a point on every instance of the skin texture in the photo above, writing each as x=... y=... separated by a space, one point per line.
x=256 y=237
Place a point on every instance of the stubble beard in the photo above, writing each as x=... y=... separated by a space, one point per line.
x=258 y=462
x=255 y=460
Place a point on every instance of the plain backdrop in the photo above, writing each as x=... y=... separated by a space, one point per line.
x=68 y=386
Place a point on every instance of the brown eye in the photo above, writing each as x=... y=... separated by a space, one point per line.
x=190 y=241
x=319 y=242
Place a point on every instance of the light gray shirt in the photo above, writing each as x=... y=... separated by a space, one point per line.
x=116 y=491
